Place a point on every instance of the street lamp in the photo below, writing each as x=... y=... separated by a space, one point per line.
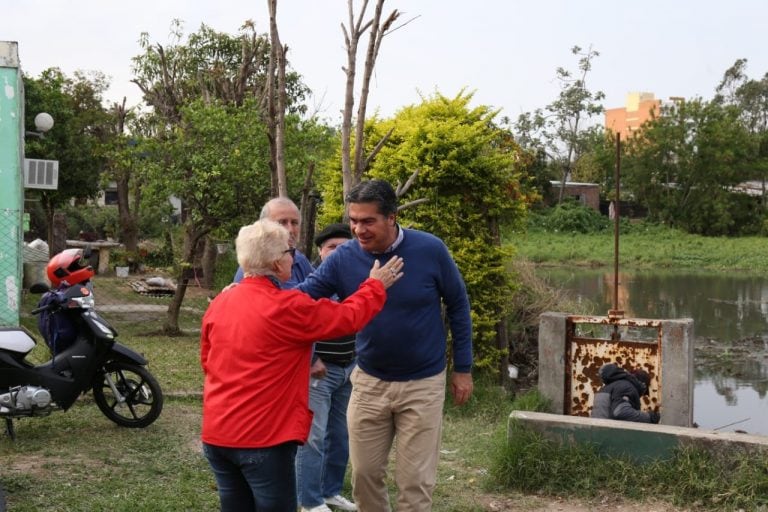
x=43 y=123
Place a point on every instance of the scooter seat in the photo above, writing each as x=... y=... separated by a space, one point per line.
x=15 y=339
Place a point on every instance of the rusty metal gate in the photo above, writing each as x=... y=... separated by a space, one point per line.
x=592 y=341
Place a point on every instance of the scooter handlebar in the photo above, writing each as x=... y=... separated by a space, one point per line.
x=37 y=311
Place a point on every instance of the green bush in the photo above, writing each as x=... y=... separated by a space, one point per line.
x=101 y=220
x=573 y=217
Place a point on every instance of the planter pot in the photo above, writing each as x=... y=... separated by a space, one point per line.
x=121 y=271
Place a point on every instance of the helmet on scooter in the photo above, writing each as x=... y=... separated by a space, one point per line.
x=69 y=266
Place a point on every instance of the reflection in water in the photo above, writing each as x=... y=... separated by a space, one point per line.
x=730 y=313
x=748 y=415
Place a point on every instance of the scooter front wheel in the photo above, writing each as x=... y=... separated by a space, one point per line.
x=128 y=394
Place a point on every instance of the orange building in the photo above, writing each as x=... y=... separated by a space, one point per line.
x=639 y=109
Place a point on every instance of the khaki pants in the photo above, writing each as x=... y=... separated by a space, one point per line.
x=411 y=414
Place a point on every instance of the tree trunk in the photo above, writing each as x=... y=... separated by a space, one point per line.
x=129 y=228
x=352 y=168
x=48 y=208
x=563 y=181
x=351 y=40
x=171 y=327
x=308 y=213
x=502 y=344
x=502 y=335
x=127 y=221
x=276 y=105
x=58 y=240
x=370 y=60
x=191 y=239
x=209 y=263
x=282 y=181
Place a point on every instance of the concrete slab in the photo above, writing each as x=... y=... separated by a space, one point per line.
x=639 y=441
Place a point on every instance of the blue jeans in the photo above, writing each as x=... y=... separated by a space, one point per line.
x=322 y=461
x=254 y=479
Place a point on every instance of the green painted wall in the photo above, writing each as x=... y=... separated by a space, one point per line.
x=11 y=186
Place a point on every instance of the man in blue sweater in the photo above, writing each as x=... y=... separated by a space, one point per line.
x=399 y=384
x=285 y=212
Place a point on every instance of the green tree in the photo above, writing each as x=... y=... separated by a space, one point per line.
x=79 y=136
x=597 y=161
x=469 y=176
x=225 y=78
x=561 y=130
x=682 y=164
x=751 y=97
x=216 y=65
x=216 y=162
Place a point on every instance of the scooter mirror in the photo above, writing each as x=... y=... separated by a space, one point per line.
x=38 y=288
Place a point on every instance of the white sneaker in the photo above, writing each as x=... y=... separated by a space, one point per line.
x=341 y=502
x=319 y=508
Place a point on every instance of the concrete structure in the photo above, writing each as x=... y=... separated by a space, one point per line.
x=103 y=246
x=573 y=348
x=639 y=441
x=640 y=107
x=587 y=194
x=11 y=187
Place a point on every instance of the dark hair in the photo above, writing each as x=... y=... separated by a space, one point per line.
x=375 y=191
x=642 y=376
x=644 y=379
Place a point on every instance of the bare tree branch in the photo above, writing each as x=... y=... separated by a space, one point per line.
x=378 y=147
x=410 y=204
x=352 y=167
x=400 y=190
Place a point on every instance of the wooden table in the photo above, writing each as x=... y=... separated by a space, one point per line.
x=104 y=246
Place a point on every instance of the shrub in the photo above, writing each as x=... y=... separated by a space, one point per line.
x=101 y=220
x=573 y=217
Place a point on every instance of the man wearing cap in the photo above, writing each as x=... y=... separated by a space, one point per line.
x=322 y=461
x=285 y=212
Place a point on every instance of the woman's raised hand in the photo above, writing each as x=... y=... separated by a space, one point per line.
x=388 y=273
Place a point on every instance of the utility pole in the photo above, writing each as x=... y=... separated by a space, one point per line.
x=11 y=185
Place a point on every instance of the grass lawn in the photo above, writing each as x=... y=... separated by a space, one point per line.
x=644 y=247
x=80 y=461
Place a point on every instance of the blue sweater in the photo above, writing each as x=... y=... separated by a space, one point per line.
x=300 y=269
x=407 y=339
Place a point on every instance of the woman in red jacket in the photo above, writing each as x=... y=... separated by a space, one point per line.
x=256 y=346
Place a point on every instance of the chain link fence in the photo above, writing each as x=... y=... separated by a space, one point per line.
x=9 y=266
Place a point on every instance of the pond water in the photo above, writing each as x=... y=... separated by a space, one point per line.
x=730 y=314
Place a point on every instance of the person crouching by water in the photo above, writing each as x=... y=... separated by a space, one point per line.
x=256 y=347
x=619 y=398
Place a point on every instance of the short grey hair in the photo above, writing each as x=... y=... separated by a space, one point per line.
x=275 y=200
x=259 y=245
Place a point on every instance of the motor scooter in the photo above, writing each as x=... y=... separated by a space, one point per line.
x=123 y=389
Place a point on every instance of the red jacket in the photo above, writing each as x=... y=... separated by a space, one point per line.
x=256 y=346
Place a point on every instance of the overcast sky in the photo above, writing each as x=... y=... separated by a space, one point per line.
x=506 y=51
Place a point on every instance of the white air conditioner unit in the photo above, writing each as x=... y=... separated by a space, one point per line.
x=41 y=173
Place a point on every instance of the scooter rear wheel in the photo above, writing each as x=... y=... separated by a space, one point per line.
x=139 y=400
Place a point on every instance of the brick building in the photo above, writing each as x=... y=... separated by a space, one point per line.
x=639 y=108
x=587 y=194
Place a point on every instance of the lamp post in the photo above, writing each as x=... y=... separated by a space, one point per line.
x=43 y=123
